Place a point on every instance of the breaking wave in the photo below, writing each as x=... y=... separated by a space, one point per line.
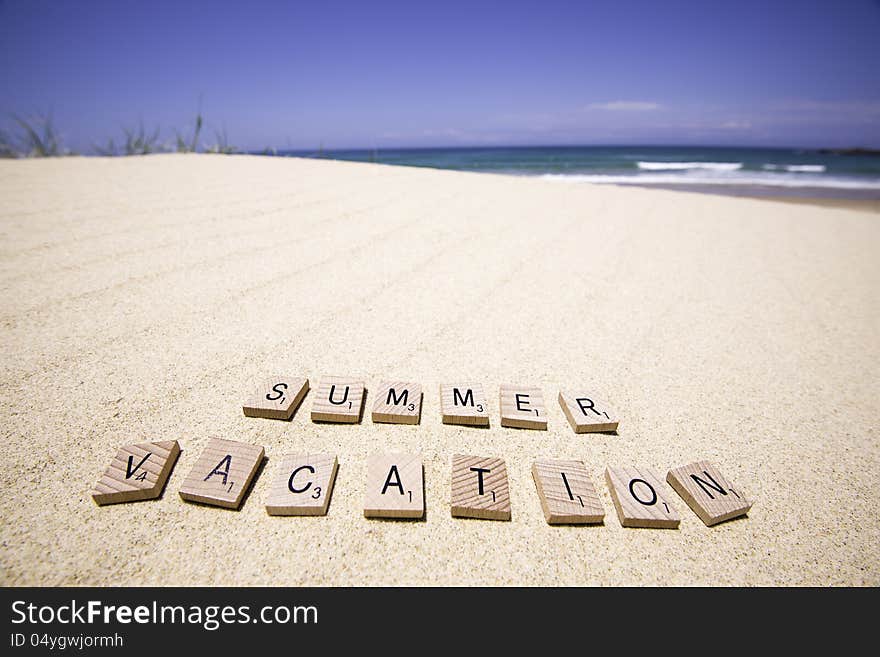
x=796 y=168
x=753 y=178
x=684 y=166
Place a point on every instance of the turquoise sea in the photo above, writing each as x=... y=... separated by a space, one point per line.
x=737 y=171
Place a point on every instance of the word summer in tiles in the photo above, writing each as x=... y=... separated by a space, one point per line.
x=395 y=486
x=342 y=398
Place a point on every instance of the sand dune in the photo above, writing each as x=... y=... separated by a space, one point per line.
x=143 y=299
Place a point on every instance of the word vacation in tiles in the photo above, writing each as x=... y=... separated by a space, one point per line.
x=395 y=483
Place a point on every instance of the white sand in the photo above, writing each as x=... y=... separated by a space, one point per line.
x=143 y=298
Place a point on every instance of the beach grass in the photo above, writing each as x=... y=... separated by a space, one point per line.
x=38 y=136
x=7 y=149
x=222 y=145
x=137 y=142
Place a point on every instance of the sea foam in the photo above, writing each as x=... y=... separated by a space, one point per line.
x=746 y=178
x=683 y=166
x=796 y=168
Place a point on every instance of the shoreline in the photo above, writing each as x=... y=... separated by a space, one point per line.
x=725 y=171
x=859 y=205
x=866 y=201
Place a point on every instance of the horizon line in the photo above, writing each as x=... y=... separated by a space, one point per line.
x=367 y=149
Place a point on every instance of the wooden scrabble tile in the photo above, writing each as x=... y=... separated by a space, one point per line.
x=567 y=494
x=395 y=486
x=397 y=402
x=464 y=403
x=479 y=488
x=587 y=413
x=137 y=472
x=222 y=474
x=338 y=399
x=303 y=485
x=640 y=499
x=523 y=407
x=278 y=398
x=708 y=493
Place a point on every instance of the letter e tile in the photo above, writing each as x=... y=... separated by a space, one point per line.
x=522 y=407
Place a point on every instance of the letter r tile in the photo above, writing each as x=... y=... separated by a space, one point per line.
x=222 y=474
x=338 y=399
x=587 y=413
x=302 y=486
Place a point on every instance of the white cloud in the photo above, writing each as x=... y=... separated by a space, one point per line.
x=737 y=125
x=626 y=106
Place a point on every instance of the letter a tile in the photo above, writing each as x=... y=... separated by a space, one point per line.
x=278 y=398
x=137 y=472
x=398 y=403
x=567 y=494
x=464 y=403
x=303 y=485
x=708 y=493
x=522 y=407
x=338 y=399
x=395 y=486
x=640 y=499
x=479 y=488
x=586 y=413
x=222 y=474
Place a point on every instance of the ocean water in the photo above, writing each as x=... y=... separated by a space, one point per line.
x=737 y=171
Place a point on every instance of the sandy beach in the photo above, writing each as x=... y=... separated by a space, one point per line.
x=144 y=298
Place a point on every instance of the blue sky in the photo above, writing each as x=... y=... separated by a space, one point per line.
x=390 y=74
